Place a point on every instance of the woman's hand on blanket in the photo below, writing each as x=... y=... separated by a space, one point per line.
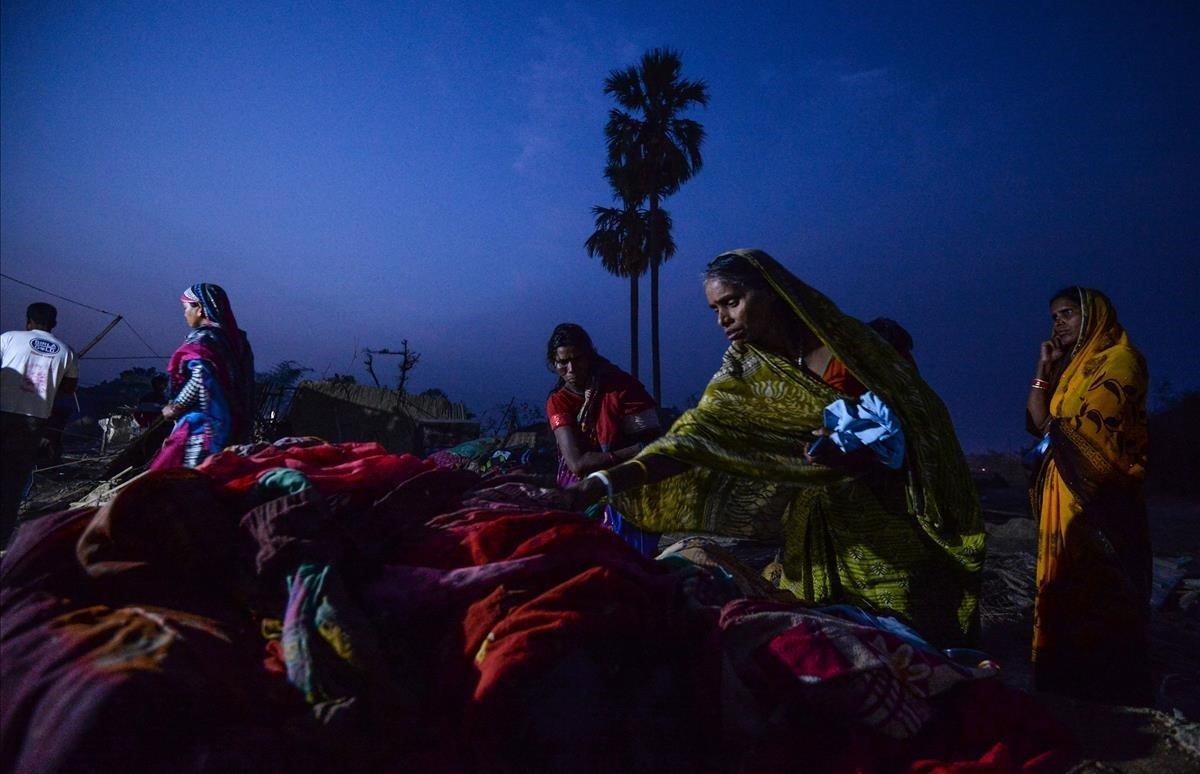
x=584 y=493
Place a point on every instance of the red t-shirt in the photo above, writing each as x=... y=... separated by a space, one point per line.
x=615 y=396
x=839 y=378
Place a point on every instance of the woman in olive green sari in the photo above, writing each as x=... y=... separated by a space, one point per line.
x=907 y=542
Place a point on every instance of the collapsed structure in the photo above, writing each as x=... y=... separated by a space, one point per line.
x=400 y=422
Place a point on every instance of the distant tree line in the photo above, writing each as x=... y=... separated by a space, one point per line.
x=1174 y=464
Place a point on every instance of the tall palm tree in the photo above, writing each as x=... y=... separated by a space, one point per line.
x=650 y=139
x=620 y=242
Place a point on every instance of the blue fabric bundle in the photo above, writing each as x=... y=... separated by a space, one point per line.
x=870 y=423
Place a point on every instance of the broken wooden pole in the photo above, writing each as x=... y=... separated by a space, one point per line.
x=100 y=335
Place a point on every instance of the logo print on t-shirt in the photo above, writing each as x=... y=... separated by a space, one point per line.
x=43 y=346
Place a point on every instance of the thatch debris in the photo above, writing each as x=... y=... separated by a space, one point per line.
x=400 y=422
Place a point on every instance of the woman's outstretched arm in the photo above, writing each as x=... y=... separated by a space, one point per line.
x=580 y=463
x=649 y=469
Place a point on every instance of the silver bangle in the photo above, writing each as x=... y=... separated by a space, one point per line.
x=604 y=479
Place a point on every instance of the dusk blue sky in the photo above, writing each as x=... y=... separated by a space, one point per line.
x=355 y=174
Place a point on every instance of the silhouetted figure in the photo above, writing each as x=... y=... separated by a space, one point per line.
x=150 y=405
x=895 y=334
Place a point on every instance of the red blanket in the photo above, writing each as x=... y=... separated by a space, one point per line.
x=331 y=467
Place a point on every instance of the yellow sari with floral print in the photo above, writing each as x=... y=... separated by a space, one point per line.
x=1094 y=561
x=908 y=542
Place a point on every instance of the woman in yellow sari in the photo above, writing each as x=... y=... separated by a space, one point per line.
x=1088 y=401
x=907 y=542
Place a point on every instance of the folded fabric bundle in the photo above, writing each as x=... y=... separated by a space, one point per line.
x=471 y=455
x=868 y=422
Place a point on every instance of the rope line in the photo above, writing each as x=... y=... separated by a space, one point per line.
x=83 y=461
x=94 y=309
x=120 y=357
x=64 y=298
x=135 y=333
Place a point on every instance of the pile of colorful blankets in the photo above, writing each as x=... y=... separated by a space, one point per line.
x=490 y=457
x=316 y=607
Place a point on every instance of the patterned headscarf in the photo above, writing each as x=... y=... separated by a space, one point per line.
x=220 y=341
x=1098 y=330
x=1102 y=391
x=214 y=301
x=944 y=497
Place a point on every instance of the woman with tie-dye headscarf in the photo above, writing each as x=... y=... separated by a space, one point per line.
x=212 y=381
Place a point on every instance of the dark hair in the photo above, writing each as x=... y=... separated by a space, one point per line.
x=893 y=333
x=158 y=379
x=568 y=335
x=734 y=269
x=43 y=315
x=1074 y=294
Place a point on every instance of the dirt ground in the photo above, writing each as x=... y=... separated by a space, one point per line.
x=1164 y=739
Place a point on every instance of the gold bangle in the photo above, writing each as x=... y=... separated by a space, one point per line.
x=641 y=466
x=1039 y=384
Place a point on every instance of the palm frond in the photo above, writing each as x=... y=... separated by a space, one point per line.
x=619 y=240
x=626 y=87
x=659 y=70
x=605 y=244
x=687 y=135
x=625 y=180
x=622 y=135
x=686 y=94
x=659 y=224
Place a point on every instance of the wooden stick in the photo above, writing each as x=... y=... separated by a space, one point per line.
x=99 y=336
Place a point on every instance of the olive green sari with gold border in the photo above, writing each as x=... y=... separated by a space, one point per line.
x=909 y=542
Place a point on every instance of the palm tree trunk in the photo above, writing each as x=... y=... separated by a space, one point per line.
x=633 y=325
x=654 y=358
x=655 y=260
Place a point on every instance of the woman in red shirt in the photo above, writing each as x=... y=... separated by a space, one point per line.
x=600 y=415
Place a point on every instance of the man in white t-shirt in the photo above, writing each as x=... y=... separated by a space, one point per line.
x=35 y=368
